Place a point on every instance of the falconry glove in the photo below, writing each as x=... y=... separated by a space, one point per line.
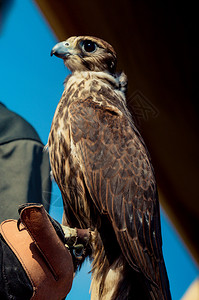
x=35 y=263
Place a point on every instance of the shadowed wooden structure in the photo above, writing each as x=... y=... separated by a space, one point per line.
x=156 y=43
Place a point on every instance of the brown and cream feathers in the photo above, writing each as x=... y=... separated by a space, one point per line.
x=103 y=169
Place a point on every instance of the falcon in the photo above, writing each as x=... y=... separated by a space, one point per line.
x=103 y=169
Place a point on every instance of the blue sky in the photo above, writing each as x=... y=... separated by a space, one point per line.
x=31 y=85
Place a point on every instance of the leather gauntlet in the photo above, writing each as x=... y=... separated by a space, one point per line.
x=41 y=252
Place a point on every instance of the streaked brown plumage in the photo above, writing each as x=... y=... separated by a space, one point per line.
x=102 y=167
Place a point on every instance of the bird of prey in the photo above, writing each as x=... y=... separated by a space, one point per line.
x=103 y=169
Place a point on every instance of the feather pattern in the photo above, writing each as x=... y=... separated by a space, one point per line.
x=103 y=169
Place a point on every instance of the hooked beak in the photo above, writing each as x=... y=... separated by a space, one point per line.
x=60 y=50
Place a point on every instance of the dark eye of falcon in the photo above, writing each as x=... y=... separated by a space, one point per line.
x=89 y=46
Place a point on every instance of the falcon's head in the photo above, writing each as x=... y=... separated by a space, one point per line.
x=86 y=53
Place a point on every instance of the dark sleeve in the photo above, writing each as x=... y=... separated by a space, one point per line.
x=24 y=176
x=25 y=170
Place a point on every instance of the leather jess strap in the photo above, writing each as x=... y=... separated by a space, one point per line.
x=43 y=255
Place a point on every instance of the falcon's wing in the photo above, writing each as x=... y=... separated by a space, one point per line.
x=120 y=179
